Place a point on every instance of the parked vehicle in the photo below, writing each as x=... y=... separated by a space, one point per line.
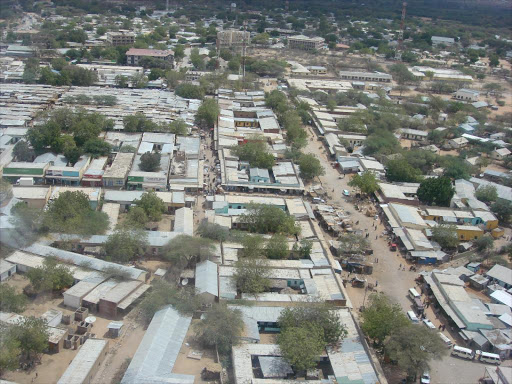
x=486 y=357
x=429 y=324
x=462 y=352
x=425 y=378
x=445 y=339
x=413 y=294
x=419 y=305
x=412 y=316
x=346 y=192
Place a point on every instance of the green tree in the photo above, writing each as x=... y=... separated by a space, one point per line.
x=445 y=236
x=413 y=347
x=503 y=210
x=164 y=293
x=186 y=251
x=121 y=81
x=28 y=221
x=251 y=275
x=382 y=317
x=152 y=205
x=97 y=147
x=32 y=71
x=10 y=351
x=220 y=328
x=301 y=346
x=487 y=193
x=436 y=191
x=352 y=243
x=71 y=213
x=400 y=171
x=139 y=80
x=72 y=155
x=256 y=152
x=178 y=127
x=179 y=52
x=252 y=246
x=207 y=113
x=32 y=336
x=59 y=63
x=10 y=301
x=306 y=330
x=173 y=78
x=123 y=245
x=310 y=167
x=484 y=243
x=150 y=162
x=136 y=218
x=381 y=142
x=189 y=91
x=51 y=276
x=277 y=248
x=139 y=122
x=265 y=218
x=367 y=182
x=22 y=151
x=494 y=60
x=401 y=74
x=213 y=231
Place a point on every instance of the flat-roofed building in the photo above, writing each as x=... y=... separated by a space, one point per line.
x=232 y=38
x=117 y=174
x=305 y=43
x=135 y=55
x=366 y=76
x=120 y=38
x=465 y=94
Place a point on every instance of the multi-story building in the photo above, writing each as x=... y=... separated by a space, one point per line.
x=366 y=76
x=233 y=39
x=120 y=38
x=134 y=55
x=306 y=43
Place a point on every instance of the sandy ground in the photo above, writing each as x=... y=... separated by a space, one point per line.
x=188 y=366
x=391 y=279
x=53 y=366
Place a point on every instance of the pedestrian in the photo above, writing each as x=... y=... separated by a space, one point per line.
x=376 y=237
x=444 y=327
x=376 y=283
x=400 y=266
x=440 y=327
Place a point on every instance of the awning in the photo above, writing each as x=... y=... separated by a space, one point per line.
x=443 y=303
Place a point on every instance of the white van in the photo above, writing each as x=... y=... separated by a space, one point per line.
x=486 y=357
x=413 y=294
x=445 y=339
x=412 y=317
x=465 y=353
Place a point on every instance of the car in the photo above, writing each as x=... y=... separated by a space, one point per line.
x=425 y=378
x=429 y=324
x=346 y=192
x=318 y=200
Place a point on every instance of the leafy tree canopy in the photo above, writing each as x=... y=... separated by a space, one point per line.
x=52 y=276
x=152 y=205
x=367 y=182
x=436 y=191
x=445 y=236
x=264 y=218
x=123 y=245
x=221 y=327
x=256 y=152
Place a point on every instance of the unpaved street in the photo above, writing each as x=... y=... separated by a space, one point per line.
x=392 y=280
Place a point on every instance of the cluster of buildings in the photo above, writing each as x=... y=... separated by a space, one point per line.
x=483 y=326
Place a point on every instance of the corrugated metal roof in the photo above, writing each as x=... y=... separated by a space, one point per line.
x=207 y=280
x=154 y=360
x=83 y=362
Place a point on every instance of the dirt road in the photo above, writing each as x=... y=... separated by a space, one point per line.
x=392 y=280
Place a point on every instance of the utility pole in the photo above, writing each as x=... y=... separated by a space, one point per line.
x=398 y=53
x=167 y=6
x=244 y=51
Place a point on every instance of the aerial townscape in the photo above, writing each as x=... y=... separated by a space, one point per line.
x=255 y=192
